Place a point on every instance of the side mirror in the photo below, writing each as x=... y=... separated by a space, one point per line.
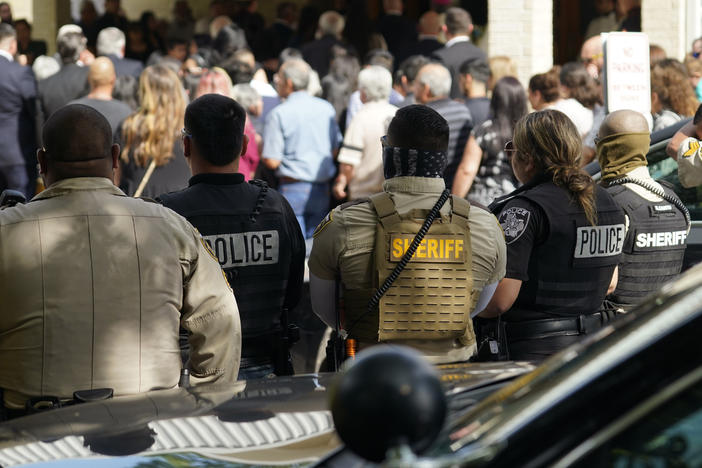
x=387 y=398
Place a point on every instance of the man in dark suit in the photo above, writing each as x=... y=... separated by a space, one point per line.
x=399 y=31
x=17 y=106
x=428 y=41
x=71 y=81
x=319 y=53
x=111 y=43
x=458 y=49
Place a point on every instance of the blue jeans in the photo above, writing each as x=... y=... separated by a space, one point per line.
x=309 y=201
x=264 y=371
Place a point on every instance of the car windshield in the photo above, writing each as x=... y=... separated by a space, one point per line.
x=526 y=398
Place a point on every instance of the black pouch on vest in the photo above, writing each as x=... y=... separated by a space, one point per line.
x=491 y=340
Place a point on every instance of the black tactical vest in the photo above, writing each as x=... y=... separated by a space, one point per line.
x=243 y=224
x=570 y=272
x=654 y=246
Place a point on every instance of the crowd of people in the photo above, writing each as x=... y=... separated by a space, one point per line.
x=372 y=121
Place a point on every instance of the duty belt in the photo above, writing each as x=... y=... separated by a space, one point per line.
x=561 y=326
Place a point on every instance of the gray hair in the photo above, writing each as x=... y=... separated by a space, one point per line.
x=70 y=45
x=297 y=71
x=375 y=82
x=331 y=22
x=437 y=77
x=246 y=95
x=44 y=67
x=111 y=41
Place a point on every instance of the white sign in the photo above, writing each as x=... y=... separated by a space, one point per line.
x=627 y=72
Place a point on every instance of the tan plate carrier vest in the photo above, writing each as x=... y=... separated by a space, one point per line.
x=431 y=298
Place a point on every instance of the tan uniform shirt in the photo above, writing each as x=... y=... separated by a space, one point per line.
x=690 y=163
x=94 y=287
x=343 y=247
x=362 y=148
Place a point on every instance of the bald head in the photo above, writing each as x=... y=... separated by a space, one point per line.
x=592 y=56
x=77 y=143
x=623 y=121
x=102 y=73
x=429 y=23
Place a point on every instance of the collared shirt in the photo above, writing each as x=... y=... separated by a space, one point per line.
x=7 y=55
x=362 y=148
x=302 y=134
x=344 y=247
x=95 y=286
x=456 y=40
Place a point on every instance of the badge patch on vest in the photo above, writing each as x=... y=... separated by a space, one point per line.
x=514 y=222
x=599 y=241
x=322 y=224
x=432 y=249
x=245 y=248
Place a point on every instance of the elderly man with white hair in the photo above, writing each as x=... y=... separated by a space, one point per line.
x=361 y=155
x=111 y=43
x=432 y=88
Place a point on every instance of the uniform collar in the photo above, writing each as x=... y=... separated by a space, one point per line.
x=231 y=178
x=414 y=184
x=78 y=184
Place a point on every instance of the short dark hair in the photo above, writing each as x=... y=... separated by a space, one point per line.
x=70 y=45
x=238 y=71
x=477 y=68
x=75 y=133
x=173 y=41
x=419 y=127
x=216 y=124
x=411 y=65
x=458 y=21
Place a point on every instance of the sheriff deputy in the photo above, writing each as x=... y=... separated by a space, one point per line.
x=456 y=265
x=657 y=221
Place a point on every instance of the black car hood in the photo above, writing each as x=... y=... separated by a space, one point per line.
x=268 y=421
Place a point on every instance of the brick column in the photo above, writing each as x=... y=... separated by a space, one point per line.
x=522 y=30
x=665 y=22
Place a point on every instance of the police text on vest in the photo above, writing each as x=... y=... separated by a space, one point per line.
x=245 y=248
x=660 y=239
x=599 y=241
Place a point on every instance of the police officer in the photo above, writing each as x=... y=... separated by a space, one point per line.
x=564 y=240
x=657 y=221
x=250 y=228
x=456 y=265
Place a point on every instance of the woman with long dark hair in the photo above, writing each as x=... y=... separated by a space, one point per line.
x=564 y=239
x=485 y=172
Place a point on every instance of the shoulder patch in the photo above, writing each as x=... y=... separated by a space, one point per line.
x=514 y=222
x=343 y=206
x=692 y=149
x=207 y=247
x=324 y=223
